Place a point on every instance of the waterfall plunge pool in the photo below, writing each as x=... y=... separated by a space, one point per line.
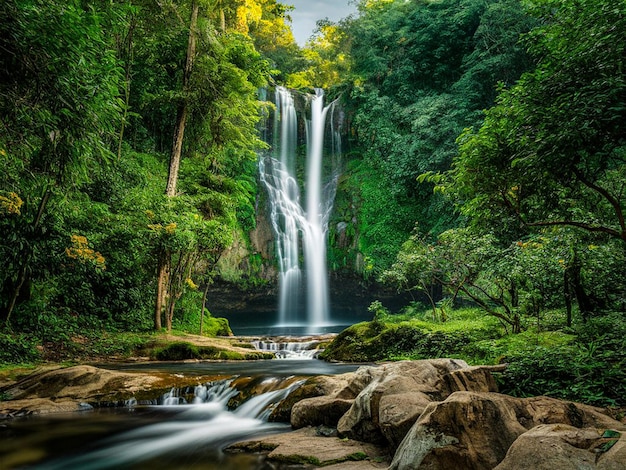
x=178 y=430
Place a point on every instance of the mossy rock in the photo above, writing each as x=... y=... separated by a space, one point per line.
x=181 y=350
x=377 y=341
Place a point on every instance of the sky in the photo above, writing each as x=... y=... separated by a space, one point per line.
x=307 y=12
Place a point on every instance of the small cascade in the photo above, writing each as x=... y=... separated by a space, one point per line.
x=290 y=349
x=218 y=392
x=193 y=418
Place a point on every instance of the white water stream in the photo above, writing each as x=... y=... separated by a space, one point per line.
x=204 y=423
x=300 y=228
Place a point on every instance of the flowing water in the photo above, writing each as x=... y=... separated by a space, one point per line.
x=179 y=429
x=301 y=227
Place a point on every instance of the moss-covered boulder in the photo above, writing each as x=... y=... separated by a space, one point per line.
x=376 y=341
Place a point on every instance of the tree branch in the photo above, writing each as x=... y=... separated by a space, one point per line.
x=608 y=196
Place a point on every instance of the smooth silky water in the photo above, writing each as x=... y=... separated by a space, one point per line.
x=180 y=429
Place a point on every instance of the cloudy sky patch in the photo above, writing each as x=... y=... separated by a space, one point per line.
x=307 y=12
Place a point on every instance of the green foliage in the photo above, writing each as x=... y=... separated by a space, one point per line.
x=421 y=72
x=590 y=372
x=551 y=151
x=508 y=282
x=15 y=349
x=376 y=341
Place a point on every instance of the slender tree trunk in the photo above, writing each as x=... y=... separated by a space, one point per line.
x=181 y=114
x=206 y=293
x=165 y=261
x=163 y=267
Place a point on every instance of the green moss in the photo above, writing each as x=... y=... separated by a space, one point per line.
x=376 y=341
x=357 y=456
x=297 y=459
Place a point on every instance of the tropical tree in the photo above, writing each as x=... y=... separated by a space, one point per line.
x=421 y=72
x=59 y=88
x=552 y=152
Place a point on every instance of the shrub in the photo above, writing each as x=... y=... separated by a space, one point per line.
x=15 y=349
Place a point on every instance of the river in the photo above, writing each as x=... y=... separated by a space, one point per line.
x=182 y=429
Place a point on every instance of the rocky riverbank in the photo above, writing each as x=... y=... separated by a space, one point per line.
x=440 y=415
x=430 y=414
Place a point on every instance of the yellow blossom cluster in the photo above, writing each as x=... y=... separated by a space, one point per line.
x=80 y=251
x=169 y=228
x=10 y=203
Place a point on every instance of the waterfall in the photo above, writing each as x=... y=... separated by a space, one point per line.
x=294 y=222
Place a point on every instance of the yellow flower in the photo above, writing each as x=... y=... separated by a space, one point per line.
x=191 y=284
x=81 y=252
x=10 y=203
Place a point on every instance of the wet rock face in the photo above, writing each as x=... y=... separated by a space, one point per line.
x=76 y=388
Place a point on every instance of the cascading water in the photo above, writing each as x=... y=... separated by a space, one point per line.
x=294 y=222
x=189 y=420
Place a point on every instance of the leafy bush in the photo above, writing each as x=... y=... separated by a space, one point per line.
x=15 y=349
x=591 y=370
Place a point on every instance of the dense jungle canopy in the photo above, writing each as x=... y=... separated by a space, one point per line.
x=485 y=158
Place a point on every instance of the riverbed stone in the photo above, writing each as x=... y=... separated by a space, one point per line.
x=336 y=386
x=319 y=411
x=75 y=388
x=474 y=430
x=306 y=446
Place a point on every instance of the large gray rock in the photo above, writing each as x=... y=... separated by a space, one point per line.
x=399 y=392
x=474 y=430
x=560 y=446
x=316 y=411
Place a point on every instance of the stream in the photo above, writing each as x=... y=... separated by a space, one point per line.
x=180 y=429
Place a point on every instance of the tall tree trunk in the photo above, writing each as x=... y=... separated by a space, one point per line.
x=163 y=267
x=204 y=297
x=165 y=260
x=181 y=114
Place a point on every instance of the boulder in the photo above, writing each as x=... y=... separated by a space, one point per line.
x=336 y=387
x=556 y=446
x=399 y=392
x=615 y=457
x=397 y=413
x=474 y=430
x=316 y=411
